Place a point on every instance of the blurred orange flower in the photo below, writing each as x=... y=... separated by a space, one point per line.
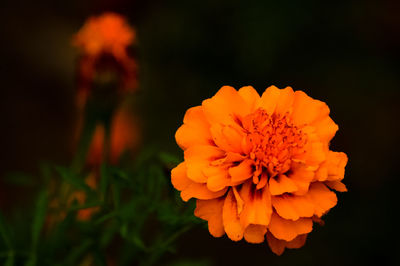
x=103 y=41
x=260 y=167
x=107 y=33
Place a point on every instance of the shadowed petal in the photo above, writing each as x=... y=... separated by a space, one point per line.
x=287 y=229
x=197 y=158
x=255 y=233
x=281 y=185
x=322 y=198
x=230 y=218
x=211 y=211
x=242 y=172
x=257 y=208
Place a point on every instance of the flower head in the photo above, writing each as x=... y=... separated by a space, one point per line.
x=260 y=167
x=103 y=42
x=107 y=33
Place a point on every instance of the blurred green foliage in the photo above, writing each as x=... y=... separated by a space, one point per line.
x=140 y=217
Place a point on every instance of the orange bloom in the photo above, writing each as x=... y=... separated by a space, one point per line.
x=260 y=167
x=103 y=43
x=107 y=33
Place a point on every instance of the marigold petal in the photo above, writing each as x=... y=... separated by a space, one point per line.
x=257 y=208
x=281 y=184
x=298 y=242
x=227 y=138
x=302 y=177
x=336 y=185
x=200 y=191
x=179 y=178
x=211 y=211
x=293 y=207
x=250 y=96
x=195 y=130
x=307 y=110
x=269 y=99
x=224 y=106
x=336 y=163
x=230 y=218
x=277 y=246
x=219 y=180
x=197 y=158
x=315 y=153
x=254 y=233
x=322 y=198
x=287 y=229
x=326 y=129
x=285 y=101
x=241 y=172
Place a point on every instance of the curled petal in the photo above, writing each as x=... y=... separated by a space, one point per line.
x=336 y=185
x=195 y=130
x=224 y=106
x=217 y=179
x=250 y=96
x=333 y=167
x=315 y=153
x=306 y=110
x=200 y=191
x=281 y=185
x=230 y=218
x=179 y=178
x=257 y=208
x=227 y=138
x=326 y=129
x=278 y=246
x=211 y=211
x=293 y=207
x=285 y=101
x=287 y=229
x=242 y=172
x=322 y=198
x=255 y=233
x=302 y=177
x=190 y=189
x=197 y=158
x=269 y=99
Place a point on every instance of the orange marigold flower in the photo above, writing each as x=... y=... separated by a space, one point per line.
x=107 y=33
x=103 y=41
x=260 y=167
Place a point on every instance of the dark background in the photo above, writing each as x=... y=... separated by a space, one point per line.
x=344 y=53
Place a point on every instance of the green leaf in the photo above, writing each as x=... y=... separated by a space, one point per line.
x=169 y=159
x=106 y=217
x=104 y=180
x=71 y=179
x=5 y=232
x=38 y=219
x=77 y=252
x=10 y=259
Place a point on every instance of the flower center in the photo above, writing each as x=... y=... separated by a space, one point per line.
x=272 y=142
